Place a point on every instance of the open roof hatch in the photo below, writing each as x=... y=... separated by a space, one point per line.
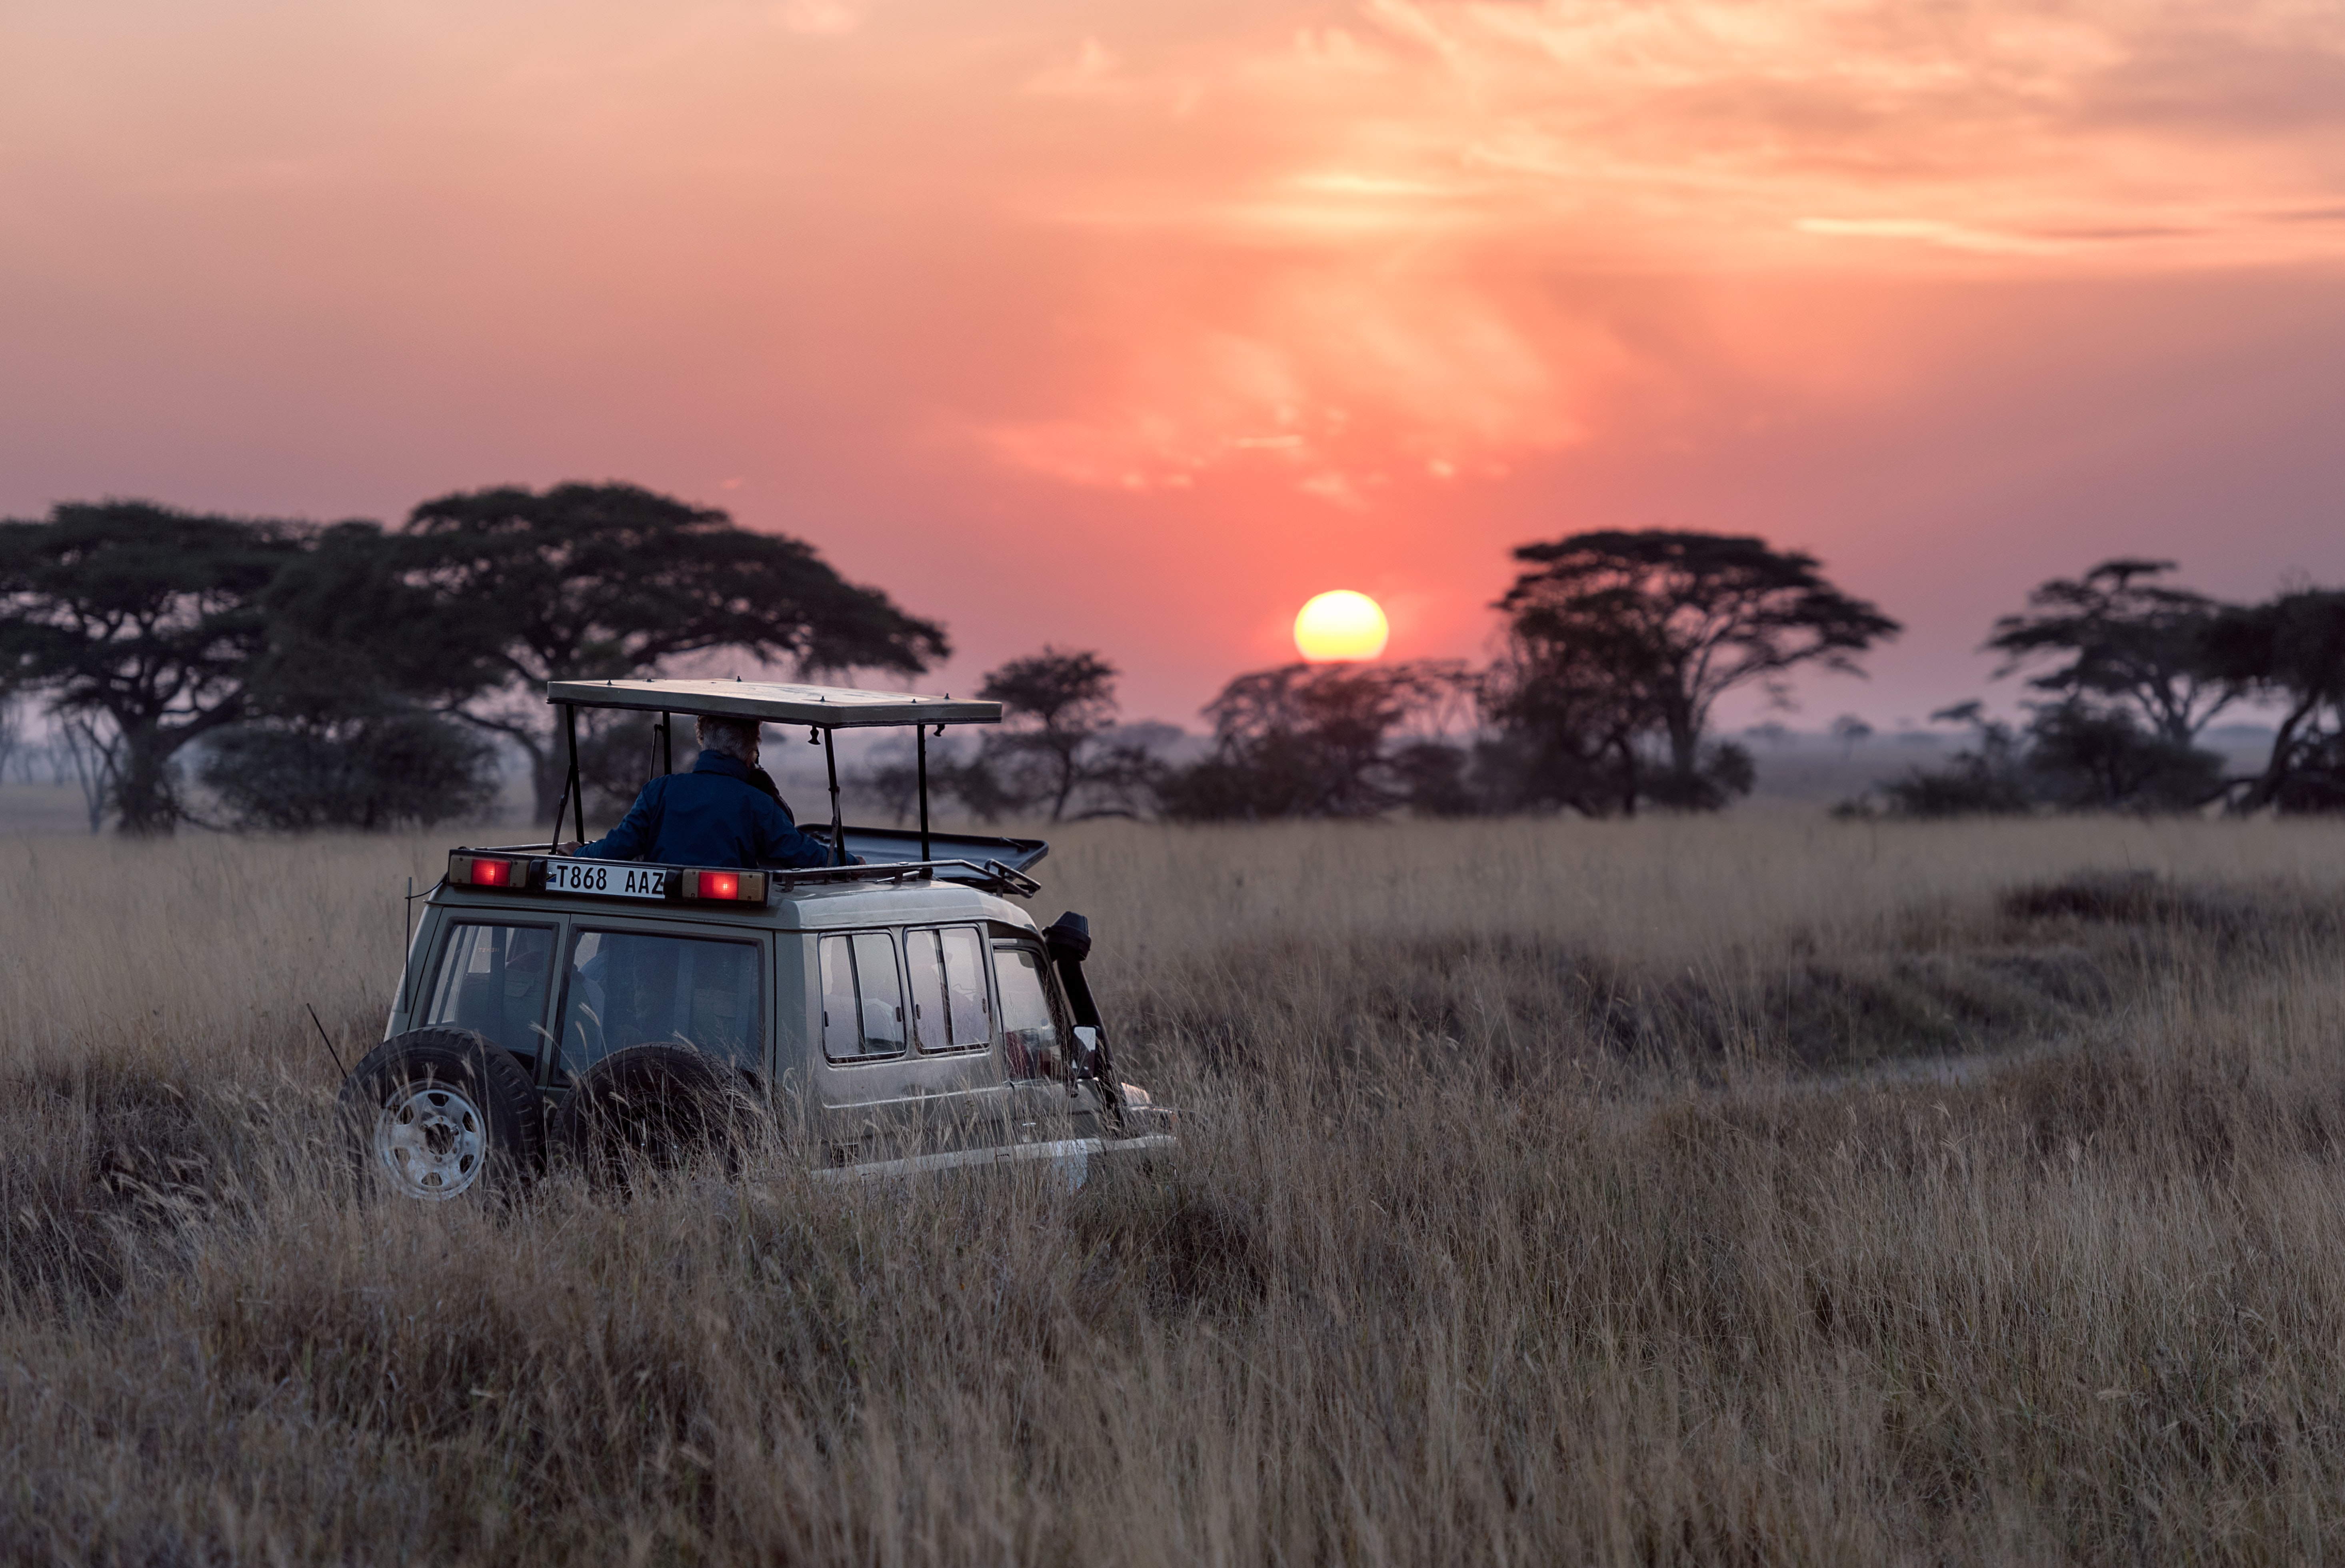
x=823 y=709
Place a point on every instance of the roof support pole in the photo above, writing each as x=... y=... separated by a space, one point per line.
x=667 y=744
x=838 y=831
x=577 y=795
x=553 y=834
x=569 y=783
x=921 y=751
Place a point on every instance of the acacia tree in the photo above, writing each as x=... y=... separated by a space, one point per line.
x=1569 y=715
x=1054 y=707
x=2291 y=650
x=138 y=621
x=1058 y=746
x=350 y=631
x=607 y=581
x=340 y=724
x=1649 y=629
x=1314 y=740
x=2114 y=634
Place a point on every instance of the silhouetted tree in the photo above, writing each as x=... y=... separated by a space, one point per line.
x=341 y=726
x=1434 y=779
x=1617 y=636
x=83 y=753
x=349 y=630
x=607 y=581
x=2291 y=650
x=1309 y=740
x=2094 y=755
x=1849 y=730
x=2129 y=668
x=2114 y=634
x=137 y=622
x=1059 y=748
x=378 y=770
x=1125 y=769
x=1570 y=715
x=1988 y=779
x=2070 y=756
x=1055 y=706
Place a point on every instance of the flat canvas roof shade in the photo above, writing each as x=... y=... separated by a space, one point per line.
x=773 y=702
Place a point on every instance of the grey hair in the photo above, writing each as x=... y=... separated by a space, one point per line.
x=734 y=737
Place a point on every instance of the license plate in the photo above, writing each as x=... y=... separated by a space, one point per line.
x=609 y=879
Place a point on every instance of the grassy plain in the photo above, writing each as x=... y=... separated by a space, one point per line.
x=1759 y=1189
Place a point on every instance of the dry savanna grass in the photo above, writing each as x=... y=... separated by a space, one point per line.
x=1752 y=1189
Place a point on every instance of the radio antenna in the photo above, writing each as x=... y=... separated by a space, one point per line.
x=328 y=1039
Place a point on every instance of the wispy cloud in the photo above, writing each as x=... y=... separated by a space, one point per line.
x=821 y=18
x=1384 y=184
x=1326 y=249
x=1090 y=69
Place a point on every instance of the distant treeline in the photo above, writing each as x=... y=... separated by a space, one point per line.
x=1617 y=647
x=358 y=675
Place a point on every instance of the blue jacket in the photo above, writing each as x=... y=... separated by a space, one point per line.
x=712 y=816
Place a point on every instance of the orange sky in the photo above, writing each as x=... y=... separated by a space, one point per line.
x=1131 y=326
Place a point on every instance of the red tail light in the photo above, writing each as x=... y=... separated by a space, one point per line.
x=485 y=872
x=748 y=887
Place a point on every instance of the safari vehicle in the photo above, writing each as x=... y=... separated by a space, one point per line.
x=897 y=1015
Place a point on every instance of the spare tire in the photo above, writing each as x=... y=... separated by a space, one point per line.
x=440 y=1113
x=661 y=1105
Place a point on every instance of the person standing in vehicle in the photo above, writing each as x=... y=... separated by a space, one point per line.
x=715 y=815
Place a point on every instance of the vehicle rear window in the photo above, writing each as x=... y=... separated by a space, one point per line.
x=493 y=982
x=627 y=988
x=862 y=997
x=1030 y=1035
x=950 y=1009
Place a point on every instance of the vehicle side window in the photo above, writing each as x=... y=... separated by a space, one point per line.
x=950 y=1009
x=1030 y=1035
x=627 y=988
x=493 y=982
x=862 y=997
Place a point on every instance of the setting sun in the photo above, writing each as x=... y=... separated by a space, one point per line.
x=1340 y=625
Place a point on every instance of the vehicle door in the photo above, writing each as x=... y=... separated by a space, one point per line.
x=906 y=1065
x=634 y=983
x=493 y=978
x=1037 y=1034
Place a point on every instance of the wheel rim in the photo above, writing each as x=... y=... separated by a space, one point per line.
x=433 y=1140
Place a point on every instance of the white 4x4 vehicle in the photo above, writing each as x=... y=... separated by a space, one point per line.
x=897 y=1015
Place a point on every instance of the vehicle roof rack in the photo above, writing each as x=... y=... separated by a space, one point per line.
x=824 y=709
x=991 y=876
x=776 y=702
